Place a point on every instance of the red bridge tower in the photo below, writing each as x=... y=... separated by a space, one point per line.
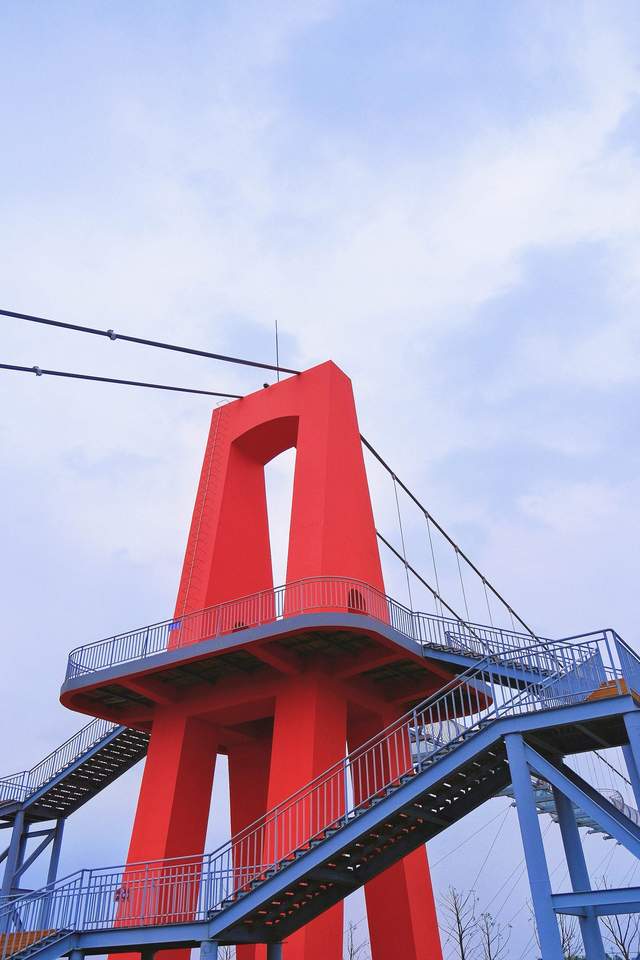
x=283 y=705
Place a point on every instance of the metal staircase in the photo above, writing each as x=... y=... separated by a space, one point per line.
x=102 y=751
x=72 y=773
x=490 y=726
x=67 y=778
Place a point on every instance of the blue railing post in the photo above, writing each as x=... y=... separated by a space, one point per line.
x=346 y=789
x=589 y=926
x=535 y=858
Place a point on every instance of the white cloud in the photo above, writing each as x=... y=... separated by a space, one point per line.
x=573 y=510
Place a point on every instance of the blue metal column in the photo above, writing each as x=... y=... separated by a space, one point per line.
x=631 y=752
x=589 y=926
x=535 y=858
x=16 y=848
x=274 y=951
x=56 y=846
x=208 y=950
x=76 y=955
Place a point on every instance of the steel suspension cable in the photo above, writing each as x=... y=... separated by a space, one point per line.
x=43 y=371
x=160 y=344
x=486 y=597
x=464 y=595
x=444 y=533
x=493 y=843
x=433 y=560
x=515 y=869
x=404 y=549
x=469 y=836
x=424 y=582
x=612 y=767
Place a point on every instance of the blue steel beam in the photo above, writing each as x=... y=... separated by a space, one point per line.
x=535 y=857
x=589 y=926
x=54 y=859
x=588 y=799
x=33 y=856
x=13 y=855
x=602 y=902
x=631 y=751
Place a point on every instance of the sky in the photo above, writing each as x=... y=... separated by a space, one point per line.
x=443 y=198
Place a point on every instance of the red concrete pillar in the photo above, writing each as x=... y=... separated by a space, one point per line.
x=309 y=736
x=248 y=785
x=332 y=532
x=401 y=909
x=175 y=794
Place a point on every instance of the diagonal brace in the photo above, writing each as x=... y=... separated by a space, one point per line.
x=35 y=854
x=588 y=799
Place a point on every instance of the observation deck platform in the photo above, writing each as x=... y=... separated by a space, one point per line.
x=382 y=650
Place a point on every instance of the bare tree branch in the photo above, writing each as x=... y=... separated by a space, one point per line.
x=621 y=932
x=570 y=936
x=355 y=948
x=461 y=925
x=494 y=937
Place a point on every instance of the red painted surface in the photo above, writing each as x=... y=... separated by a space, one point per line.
x=175 y=794
x=248 y=785
x=401 y=909
x=309 y=735
x=332 y=533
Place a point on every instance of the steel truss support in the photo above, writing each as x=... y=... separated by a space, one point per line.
x=535 y=858
x=16 y=862
x=602 y=902
x=583 y=795
x=631 y=752
x=209 y=950
x=589 y=926
x=15 y=853
x=569 y=791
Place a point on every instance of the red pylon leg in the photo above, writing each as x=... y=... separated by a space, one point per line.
x=309 y=735
x=401 y=911
x=175 y=794
x=248 y=786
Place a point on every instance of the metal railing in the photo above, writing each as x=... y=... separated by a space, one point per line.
x=314 y=595
x=191 y=888
x=19 y=786
x=267 y=606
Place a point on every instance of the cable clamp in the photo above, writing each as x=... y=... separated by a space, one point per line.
x=37 y=371
x=112 y=335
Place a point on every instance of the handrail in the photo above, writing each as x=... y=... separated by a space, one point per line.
x=314 y=594
x=55 y=762
x=188 y=888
